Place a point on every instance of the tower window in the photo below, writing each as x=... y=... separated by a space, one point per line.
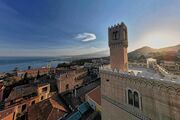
x=130 y=97
x=115 y=35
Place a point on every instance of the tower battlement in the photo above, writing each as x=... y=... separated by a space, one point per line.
x=118 y=35
x=119 y=25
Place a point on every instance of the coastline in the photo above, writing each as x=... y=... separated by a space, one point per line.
x=7 y=64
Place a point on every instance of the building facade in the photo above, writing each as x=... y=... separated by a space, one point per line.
x=24 y=96
x=129 y=96
x=1 y=90
x=68 y=79
x=33 y=72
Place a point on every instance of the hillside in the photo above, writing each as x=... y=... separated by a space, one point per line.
x=167 y=53
x=172 y=48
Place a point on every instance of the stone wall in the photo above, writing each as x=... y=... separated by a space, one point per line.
x=160 y=100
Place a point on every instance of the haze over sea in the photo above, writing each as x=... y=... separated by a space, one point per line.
x=7 y=64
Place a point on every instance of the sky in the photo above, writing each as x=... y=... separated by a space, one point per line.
x=73 y=27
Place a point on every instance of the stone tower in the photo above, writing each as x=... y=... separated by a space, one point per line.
x=118 y=43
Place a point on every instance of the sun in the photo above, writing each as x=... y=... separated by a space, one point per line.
x=160 y=39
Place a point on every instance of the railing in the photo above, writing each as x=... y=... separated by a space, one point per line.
x=130 y=110
x=162 y=70
x=166 y=73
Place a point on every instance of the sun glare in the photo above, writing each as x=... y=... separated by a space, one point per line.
x=160 y=39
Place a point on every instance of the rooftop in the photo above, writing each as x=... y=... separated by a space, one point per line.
x=33 y=70
x=6 y=113
x=24 y=91
x=50 y=109
x=21 y=91
x=146 y=73
x=95 y=95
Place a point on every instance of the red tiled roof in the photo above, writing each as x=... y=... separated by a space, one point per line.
x=95 y=95
x=20 y=91
x=6 y=112
x=50 y=109
x=1 y=86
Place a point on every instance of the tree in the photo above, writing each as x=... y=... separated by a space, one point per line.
x=38 y=75
x=142 y=58
x=66 y=65
x=26 y=77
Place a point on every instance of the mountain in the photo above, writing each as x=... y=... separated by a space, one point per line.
x=99 y=54
x=144 y=50
x=172 y=48
x=141 y=53
x=167 y=53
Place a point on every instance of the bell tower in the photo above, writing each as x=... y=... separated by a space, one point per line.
x=118 y=43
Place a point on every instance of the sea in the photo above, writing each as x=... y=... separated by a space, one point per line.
x=8 y=64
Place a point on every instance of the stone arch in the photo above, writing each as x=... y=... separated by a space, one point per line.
x=129 y=96
x=136 y=99
x=171 y=91
x=178 y=92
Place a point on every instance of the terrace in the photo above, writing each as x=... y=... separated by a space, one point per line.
x=142 y=72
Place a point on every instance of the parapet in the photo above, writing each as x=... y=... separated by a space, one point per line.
x=139 y=79
x=119 y=25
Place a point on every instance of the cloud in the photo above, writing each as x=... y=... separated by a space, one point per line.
x=85 y=37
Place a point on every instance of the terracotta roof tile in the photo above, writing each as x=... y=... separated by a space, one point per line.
x=20 y=91
x=6 y=112
x=50 y=109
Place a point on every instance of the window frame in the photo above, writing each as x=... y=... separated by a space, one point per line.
x=139 y=98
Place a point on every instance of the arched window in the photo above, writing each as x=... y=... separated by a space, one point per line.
x=67 y=86
x=136 y=99
x=130 y=97
x=115 y=35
